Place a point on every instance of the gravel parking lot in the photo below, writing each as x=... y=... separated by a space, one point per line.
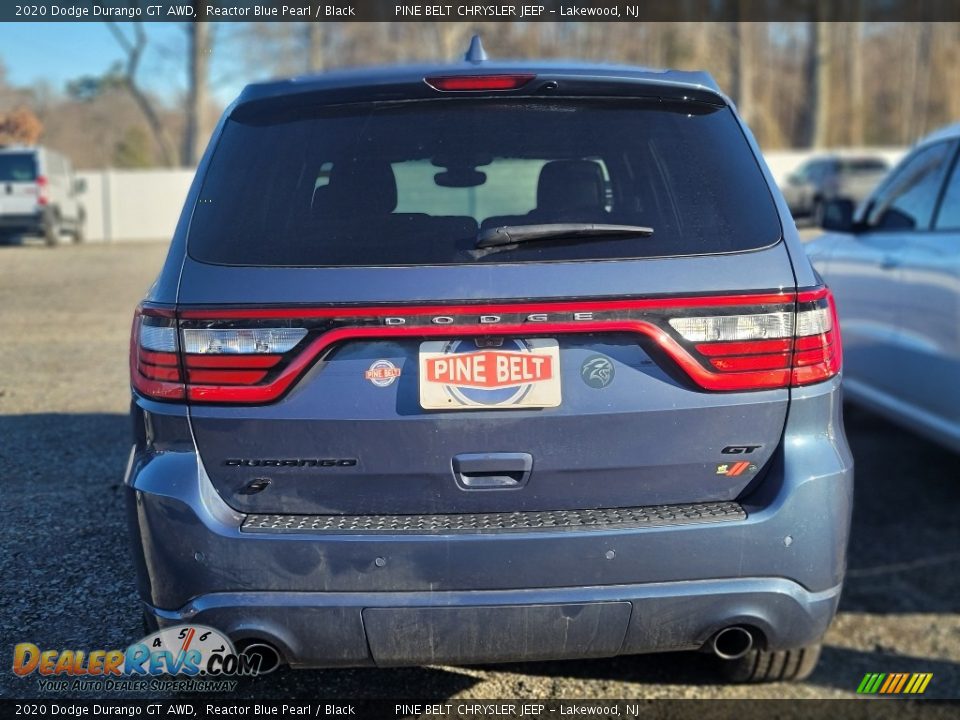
x=67 y=580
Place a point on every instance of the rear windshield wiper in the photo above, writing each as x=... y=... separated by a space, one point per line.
x=515 y=234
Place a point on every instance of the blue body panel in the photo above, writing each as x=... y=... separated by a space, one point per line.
x=779 y=570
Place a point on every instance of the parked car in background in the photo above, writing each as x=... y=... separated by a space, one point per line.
x=490 y=362
x=39 y=195
x=831 y=177
x=894 y=267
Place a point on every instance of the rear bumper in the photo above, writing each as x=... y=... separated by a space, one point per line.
x=394 y=598
x=425 y=628
x=33 y=222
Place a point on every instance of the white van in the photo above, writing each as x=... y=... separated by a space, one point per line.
x=39 y=195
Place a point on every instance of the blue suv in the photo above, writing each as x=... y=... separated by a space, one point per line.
x=490 y=362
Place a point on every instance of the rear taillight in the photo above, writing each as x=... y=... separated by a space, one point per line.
x=796 y=345
x=43 y=191
x=154 y=355
x=254 y=356
x=817 y=352
x=241 y=341
x=213 y=364
x=218 y=359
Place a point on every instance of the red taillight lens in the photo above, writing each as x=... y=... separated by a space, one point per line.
x=254 y=356
x=474 y=83
x=818 y=354
x=228 y=364
x=221 y=364
x=43 y=191
x=154 y=355
x=794 y=345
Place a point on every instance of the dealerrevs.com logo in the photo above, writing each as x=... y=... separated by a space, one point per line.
x=183 y=657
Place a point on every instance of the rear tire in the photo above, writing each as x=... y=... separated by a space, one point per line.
x=816 y=214
x=51 y=234
x=79 y=223
x=761 y=666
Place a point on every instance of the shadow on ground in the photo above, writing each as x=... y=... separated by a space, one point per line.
x=904 y=552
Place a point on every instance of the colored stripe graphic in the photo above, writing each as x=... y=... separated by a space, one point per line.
x=737 y=469
x=894 y=683
x=903 y=681
x=890 y=681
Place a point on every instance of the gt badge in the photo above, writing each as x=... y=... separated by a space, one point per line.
x=740 y=449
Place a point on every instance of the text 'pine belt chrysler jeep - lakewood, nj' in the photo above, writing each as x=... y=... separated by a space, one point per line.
x=490 y=362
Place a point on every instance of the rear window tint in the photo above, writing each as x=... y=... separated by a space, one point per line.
x=510 y=188
x=413 y=183
x=18 y=167
x=867 y=165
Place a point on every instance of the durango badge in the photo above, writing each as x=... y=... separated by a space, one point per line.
x=467 y=374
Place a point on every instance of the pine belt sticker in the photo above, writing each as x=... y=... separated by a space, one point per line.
x=382 y=373
x=465 y=374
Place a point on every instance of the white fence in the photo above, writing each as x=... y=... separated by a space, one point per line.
x=146 y=204
x=134 y=204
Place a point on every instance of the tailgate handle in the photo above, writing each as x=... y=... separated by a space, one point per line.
x=492 y=471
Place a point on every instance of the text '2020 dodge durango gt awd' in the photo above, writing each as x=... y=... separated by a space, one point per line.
x=490 y=362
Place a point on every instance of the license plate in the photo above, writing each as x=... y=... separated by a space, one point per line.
x=476 y=374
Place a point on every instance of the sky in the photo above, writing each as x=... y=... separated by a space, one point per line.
x=59 y=52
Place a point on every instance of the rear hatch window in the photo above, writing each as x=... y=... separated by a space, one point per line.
x=414 y=183
x=18 y=167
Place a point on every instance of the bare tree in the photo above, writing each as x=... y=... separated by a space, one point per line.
x=451 y=39
x=948 y=61
x=315 y=41
x=857 y=111
x=821 y=76
x=133 y=48
x=923 y=69
x=199 y=48
x=742 y=66
x=797 y=84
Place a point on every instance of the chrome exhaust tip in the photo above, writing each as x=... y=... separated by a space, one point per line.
x=732 y=643
x=268 y=655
